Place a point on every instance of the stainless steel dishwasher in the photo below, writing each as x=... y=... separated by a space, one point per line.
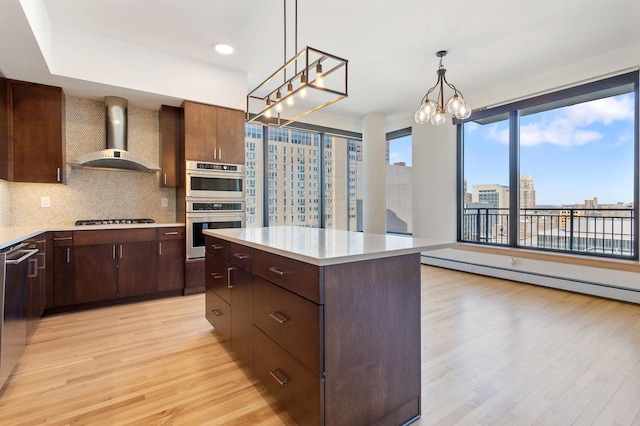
x=18 y=264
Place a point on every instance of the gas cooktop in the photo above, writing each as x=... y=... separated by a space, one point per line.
x=112 y=221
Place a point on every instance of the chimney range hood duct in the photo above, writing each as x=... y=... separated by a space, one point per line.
x=115 y=156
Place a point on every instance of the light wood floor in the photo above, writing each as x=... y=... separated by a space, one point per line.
x=494 y=352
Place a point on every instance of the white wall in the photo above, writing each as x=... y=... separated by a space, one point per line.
x=434 y=192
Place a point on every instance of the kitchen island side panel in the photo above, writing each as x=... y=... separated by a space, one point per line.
x=372 y=341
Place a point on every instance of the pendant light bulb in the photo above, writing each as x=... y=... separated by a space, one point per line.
x=319 y=76
x=278 y=106
x=267 y=113
x=290 y=101
x=303 y=86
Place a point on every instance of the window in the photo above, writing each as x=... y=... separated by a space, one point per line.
x=294 y=178
x=557 y=172
x=342 y=195
x=399 y=184
x=253 y=181
x=289 y=175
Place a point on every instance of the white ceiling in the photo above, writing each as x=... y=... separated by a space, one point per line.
x=390 y=45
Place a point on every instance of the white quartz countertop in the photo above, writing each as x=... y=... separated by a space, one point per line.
x=326 y=246
x=15 y=234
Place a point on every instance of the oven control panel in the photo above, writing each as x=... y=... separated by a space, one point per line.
x=205 y=206
x=213 y=167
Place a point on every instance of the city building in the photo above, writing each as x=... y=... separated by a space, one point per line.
x=527 y=192
x=492 y=194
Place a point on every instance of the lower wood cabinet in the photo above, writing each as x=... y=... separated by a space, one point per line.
x=218 y=313
x=294 y=386
x=337 y=344
x=96 y=273
x=230 y=283
x=63 y=270
x=137 y=272
x=171 y=258
x=113 y=264
x=36 y=291
x=92 y=266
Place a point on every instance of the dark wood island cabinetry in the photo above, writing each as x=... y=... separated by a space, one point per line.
x=334 y=319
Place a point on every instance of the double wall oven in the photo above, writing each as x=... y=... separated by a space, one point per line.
x=215 y=199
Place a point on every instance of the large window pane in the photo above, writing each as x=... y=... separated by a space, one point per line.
x=253 y=184
x=343 y=172
x=573 y=156
x=578 y=163
x=486 y=182
x=293 y=177
x=399 y=185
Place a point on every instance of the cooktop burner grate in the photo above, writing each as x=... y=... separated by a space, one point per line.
x=112 y=221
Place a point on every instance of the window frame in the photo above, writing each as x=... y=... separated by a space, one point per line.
x=622 y=83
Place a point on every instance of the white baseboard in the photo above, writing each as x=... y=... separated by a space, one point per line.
x=594 y=289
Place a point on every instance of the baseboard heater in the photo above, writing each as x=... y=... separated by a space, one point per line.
x=567 y=284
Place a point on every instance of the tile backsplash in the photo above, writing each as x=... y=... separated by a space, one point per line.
x=94 y=194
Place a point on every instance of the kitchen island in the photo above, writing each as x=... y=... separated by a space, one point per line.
x=328 y=320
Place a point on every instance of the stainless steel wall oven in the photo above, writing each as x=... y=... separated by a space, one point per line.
x=214 y=200
x=214 y=180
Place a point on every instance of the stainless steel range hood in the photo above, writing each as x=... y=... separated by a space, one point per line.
x=115 y=156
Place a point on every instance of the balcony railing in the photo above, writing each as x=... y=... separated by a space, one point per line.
x=599 y=232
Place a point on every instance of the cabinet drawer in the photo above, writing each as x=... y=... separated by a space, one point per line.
x=113 y=236
x=290 y=320
x=299 y=277
x=172 y=233
x=62 y=238
x=241 y=256
x=298 y=390
x=218 y=313
x=218 y=247
x=217 y=276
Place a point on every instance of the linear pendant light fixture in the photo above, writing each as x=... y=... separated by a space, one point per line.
x=434 y=110
x=307 y=82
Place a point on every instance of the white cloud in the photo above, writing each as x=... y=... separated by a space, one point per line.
x=569 y=126
x=604 y=111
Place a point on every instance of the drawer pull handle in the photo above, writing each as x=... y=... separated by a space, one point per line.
x=216 y=247
x=276 y=270
x=216 y=312
x=171 y=233
x=241 y=256
x=279 y=376
x=229 y=285
x=216 y=276
x=279 y=317
x=62 y=238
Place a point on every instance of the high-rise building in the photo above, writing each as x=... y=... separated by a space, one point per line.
x=493 y=194
x=527 y=192
x=293 y=176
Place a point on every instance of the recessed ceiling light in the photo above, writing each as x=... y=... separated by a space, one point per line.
x=224 y=49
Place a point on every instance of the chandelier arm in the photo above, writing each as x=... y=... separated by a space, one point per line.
x=441 y=93
x=452 y=87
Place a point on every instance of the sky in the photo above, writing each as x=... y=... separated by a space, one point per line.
x=573 y=153
x=400 y=150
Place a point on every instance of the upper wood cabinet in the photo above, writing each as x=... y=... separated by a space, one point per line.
x=170 y=146
x=211 y=133
x=32 y=132
x=230 y=126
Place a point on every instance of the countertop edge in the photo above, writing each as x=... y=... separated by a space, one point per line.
x=16 y=234
x=337 y=260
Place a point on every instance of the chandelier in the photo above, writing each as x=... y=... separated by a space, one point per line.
x=309 y=81
x=434 y=110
